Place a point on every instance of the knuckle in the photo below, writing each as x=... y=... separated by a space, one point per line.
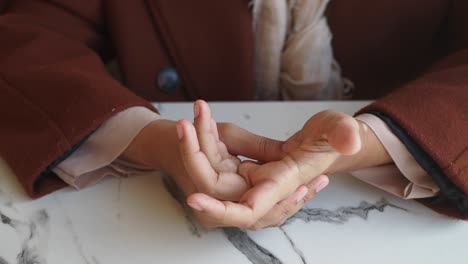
x=263 y=145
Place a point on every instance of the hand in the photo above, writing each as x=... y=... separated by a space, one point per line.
x=156 y=147
x=345 y=143
x=210 y=165
x=329 y=142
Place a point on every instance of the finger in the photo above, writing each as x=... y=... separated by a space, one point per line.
x=254 y=204
x=206 y=136
x=242 y=142
x=317 y=184
x=291 y=205
x=195 y=161
x=282 y=209
x=226 y=213
x=222 y=186
x=217 y=213
x=314 y=187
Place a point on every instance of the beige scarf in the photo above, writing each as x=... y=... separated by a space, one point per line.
x=293 y=54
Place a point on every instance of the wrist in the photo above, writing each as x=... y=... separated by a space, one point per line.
x=372 y=153
x=147 y=148
x=156 y=147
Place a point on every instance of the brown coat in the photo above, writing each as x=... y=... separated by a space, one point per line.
x=54 y=87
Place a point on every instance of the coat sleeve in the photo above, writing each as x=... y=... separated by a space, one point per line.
x=54 y=88
x=430 y=116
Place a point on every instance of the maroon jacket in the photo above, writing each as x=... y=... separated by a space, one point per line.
x=55 y=89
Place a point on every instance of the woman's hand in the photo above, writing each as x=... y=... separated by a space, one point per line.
x=329 y=142
x=343 y=142
x=213 y=169
x=156 y=147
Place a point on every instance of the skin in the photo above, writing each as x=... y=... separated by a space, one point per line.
x=158 y=146
x=329 y=142
x=223 y=191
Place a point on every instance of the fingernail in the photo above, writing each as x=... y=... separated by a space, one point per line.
x=196 y=110
x=301 y=194
x=322 y=184
x=180 y=132
x=195 y=206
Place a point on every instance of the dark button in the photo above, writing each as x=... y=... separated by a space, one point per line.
x=168 y=80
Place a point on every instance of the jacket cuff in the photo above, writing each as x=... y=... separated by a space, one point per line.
x=448 y=190
x=405 y=178
x=98 y=155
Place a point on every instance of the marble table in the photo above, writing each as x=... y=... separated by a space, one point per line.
x=137 y=220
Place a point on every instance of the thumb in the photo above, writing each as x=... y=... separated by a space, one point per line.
x=328 y=131
x=242 y=142
x=344 y=136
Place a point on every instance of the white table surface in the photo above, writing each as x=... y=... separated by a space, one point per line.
x=136 y=220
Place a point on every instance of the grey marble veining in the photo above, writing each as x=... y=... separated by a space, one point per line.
x=33 y=234
x=342 y=214
x=179 y=196
x=95 y=260
x=258 y=254
x=239 y=238
x=71 y=229
x=5 y=200
x=3 y=261
x=293 y=245
x=253 y=251
x=118 y=198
